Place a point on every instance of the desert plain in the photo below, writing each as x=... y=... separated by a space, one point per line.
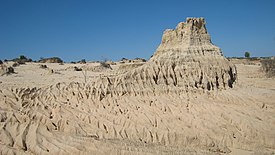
x=187 y=99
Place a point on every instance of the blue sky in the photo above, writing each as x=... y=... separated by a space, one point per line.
x=100 y=29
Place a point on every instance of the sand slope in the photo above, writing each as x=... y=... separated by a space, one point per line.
x=65 y=118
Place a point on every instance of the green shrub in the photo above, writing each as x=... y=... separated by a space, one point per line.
x=22 y=57
x=247 y=54
x=83 y=61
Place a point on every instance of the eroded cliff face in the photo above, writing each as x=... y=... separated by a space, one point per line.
x=187 y=35
x=193 y=58
x=185 y=61
x=189 y=50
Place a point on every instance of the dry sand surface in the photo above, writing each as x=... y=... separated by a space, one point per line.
x=62 y=119
x=187 y=99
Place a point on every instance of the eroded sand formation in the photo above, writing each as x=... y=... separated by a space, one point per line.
x=182 y=101
x=186 y=60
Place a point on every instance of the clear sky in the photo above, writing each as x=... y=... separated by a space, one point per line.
x=112 y=29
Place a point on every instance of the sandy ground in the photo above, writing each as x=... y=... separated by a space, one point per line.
x=31 y=74
x=59 y=120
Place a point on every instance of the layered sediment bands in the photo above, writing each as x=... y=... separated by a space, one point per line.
x=187 y=57
x=185 y=61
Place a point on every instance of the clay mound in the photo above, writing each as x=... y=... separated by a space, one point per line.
x=185 y=61
x=187 y=58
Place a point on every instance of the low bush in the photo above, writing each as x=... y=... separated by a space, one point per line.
x=10 y=70
x=83 y=61
x=51 y=60
x=15 y=64
x=105 y=65
x=43 y=66
x=22 y=60
x=77 y=69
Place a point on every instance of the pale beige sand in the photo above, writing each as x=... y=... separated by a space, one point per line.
x=187 y=99
x=34 y=76
x=63 y=120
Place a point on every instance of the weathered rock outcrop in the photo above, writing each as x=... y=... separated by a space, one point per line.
x=192 y=60
x=185 y=61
